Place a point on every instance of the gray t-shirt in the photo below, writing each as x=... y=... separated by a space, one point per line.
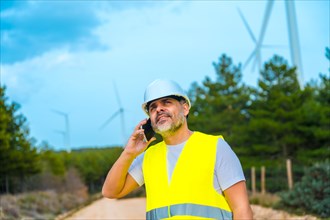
x=227 y=170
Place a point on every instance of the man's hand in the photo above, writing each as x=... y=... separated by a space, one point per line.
x=136 y=143
x=119 y=182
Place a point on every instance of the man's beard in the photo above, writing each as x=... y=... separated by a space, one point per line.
x=170 y=127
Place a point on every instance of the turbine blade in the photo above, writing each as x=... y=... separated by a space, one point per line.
x=121 y=112
x=268 y=11
x=59 y=112
x=249 y=59
x=247 y=26
x=110 y=119
x=59 y=132
x=117 y=95
x=273 y=46
x=122 y=118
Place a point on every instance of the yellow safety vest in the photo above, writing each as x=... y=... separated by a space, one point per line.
x=190 y=193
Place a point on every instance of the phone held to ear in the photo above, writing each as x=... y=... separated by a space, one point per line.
x=148 y=131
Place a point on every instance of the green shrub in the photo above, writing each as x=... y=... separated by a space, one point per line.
x=312 y=193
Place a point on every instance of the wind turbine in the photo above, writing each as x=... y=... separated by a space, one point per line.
x=256 y=53
x=66 y=133
x=119 y=112
x=292 y=32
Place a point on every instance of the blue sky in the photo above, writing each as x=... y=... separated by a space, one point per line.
x=67 y=55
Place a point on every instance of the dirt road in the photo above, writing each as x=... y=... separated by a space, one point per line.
x=111 y=209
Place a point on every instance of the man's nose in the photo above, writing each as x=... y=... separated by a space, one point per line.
x=159 y=108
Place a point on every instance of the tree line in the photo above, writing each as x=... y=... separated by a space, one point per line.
x=27 y=167
x=265 y=125
x=279 y=119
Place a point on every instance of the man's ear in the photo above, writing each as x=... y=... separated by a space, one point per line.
x=185 y=108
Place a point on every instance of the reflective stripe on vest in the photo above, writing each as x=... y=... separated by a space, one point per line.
x=190 y=191
x=189 y=210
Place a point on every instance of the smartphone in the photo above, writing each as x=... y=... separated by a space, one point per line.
x=148 y=131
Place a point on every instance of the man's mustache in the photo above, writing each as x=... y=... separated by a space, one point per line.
x=161 y=114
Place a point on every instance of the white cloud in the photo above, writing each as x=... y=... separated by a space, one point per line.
x=177 y=40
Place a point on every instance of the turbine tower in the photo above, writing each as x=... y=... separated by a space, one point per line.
x=63 y=134
x=66 y=133
x=292 y=33
x=119 y=112
x=294 y=39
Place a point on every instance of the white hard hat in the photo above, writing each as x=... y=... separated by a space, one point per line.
x=161 y=88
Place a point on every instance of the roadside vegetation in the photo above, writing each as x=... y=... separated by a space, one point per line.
x=265 y=125
x=40 y=205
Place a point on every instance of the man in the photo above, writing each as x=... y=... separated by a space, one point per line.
x=189 y=175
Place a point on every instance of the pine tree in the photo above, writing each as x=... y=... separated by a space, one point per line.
x=219 y=106
x=273 y=115
x=18 y=158
x=314 y=123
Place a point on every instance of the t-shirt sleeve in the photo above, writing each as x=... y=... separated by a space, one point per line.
x=228 y=170
x=135 y=169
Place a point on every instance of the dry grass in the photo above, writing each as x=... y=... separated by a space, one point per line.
x=265 y=200
x=265 y=206
x=39 y=205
